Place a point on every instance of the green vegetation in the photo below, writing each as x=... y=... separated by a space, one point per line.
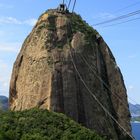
x=77 y=24
x=134 y=119
x=41 y=26
x=38 y=124
x=51 y=20
x=50 y=61
x=50 y=26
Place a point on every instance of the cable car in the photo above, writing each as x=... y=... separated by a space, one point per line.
x=63 y=8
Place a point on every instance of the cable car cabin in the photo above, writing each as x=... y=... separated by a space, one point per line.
x=62 y=8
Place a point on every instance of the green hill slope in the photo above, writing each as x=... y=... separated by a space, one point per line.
x=134 y=109
x=38 y=124
x=136 y=119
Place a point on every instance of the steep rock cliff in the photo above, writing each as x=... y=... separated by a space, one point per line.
x=46 y=75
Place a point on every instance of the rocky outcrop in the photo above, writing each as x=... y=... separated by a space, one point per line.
x=62 y=64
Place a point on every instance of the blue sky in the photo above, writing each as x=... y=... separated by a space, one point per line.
x=17 y=18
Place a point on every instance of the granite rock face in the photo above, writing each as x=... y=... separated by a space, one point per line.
x=63 y=59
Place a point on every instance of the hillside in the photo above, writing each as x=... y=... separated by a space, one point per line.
x=135 y=112
x=136 y=119
x=36 y=124
x=3 y=103
x=134 y=109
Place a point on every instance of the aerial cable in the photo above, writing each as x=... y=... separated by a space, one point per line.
x=95 y=98
x=100 y=78
x=126 y=7
x=69 y=4
x=134 y=102
x=63 y=1
x=74 y=6
x=66 y=2
x=104 y=83
x=122 y=22
x=118 y=18
x=123 y=8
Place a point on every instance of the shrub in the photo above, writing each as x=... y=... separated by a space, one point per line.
x=38 y=124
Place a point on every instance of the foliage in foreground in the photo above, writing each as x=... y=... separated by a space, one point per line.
x=38 y=124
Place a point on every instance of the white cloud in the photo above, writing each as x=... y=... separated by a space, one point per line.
x=30 y=22
x=10 y=47
x=6 y=66
x=12 y=20
x=2 y=65
x=4 y=87
x=9 y=20
x=130 y=87
x=104 y=15
x=4 y=78
x=4 y=84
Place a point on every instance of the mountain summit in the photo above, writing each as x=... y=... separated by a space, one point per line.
x=65 y=66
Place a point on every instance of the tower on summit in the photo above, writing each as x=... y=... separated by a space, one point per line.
x=63 y=8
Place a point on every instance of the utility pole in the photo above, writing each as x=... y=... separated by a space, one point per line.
x=63 y=1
